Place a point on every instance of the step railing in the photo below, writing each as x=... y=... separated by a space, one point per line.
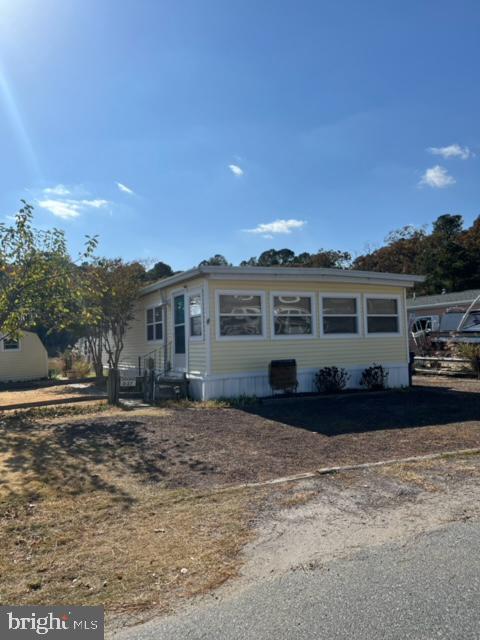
x=158 y=360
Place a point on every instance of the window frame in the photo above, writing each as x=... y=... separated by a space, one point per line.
x=196 y=292
x=147 y=324
x=313 y=315
x=240 y=292
x=399 y=315
x=342 y=336
x=17 y=350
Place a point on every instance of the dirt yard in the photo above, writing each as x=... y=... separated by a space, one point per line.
x=123 y=508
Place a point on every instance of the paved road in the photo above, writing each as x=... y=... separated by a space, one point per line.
x=425 y=590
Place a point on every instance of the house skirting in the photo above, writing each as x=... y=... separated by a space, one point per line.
x=256 y=383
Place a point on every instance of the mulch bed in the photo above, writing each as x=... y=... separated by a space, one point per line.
x=205 y=447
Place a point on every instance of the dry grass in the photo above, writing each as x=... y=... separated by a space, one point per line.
x=411 y=473
x=48 y=393
x=295 y=498
x=85 y=519
x=433 y=475
x=93 y=550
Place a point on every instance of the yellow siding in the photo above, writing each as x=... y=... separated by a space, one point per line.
x=242 y=356
x=30 y=363
x=136 y=343
x=197 y=357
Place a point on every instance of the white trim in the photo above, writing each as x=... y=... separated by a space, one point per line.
x=398 y=315
x=406 y=325
x=240 y=292
x=359 y=315
x=197 y=291
x=18 y=350
x=256 y=382
x=208 y=328
x=146 y=309
x=313 y=315
x=173 y=294
x=286 y=273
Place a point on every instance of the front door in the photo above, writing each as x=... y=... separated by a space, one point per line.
x=179 y=340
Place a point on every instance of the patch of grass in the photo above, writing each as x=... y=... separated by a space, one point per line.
x=219 y=403
x=413 y=473
x=61 y=410
x=93 y=550
x=297 y=499
x=86 y=516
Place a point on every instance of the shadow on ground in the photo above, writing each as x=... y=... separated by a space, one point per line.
x=75 y=457
x=403 y=409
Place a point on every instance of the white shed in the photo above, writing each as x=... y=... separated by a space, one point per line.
x=23 y=359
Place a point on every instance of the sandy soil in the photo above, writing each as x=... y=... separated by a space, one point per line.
x=346 y=513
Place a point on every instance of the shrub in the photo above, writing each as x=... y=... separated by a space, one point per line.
x=65 y=361
x=331 y=380
x=374 y=378
x=471 y=352
x=80 y=368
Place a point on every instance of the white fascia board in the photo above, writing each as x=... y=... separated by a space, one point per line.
x=287 y=274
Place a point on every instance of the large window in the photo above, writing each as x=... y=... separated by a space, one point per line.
x=240 y=314
x=382 y=315
x=195 y=313
x=292 y=315
x=340 y=315
x=11 y=345
x=154 y=323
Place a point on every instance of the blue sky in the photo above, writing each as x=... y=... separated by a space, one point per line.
x=237 y=127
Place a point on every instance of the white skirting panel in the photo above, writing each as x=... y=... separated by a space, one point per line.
x=256 y=384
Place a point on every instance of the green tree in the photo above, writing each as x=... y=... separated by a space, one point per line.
x=326 y=258
x=215 y=261
x=446 y=262
x=108 y=311
x=159 y=270
x=39 y=283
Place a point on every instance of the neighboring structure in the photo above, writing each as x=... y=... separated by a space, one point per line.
x=222 y=326
x=23 y=359
x=437 y=321
x=437 y=305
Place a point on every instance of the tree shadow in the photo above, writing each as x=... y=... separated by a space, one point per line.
x=75 y=458
x=356 y=413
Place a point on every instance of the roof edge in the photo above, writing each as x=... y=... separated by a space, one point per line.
x=287 y=273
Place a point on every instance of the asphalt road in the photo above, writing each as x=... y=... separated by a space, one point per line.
x=426 y=589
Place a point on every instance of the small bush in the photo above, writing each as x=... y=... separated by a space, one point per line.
x=80 y=368
x=374 y=378
x=471 y=352
x=331 y=380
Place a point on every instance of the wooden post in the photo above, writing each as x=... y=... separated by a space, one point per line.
x=113 y=386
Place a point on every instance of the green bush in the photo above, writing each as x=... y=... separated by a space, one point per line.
x=374 y=378
x=331 y=380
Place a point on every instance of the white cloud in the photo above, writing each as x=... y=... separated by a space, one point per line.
x=124 y=188
x=59 y=190
x=236 y=170
x=437 y=177
x=96 y=204
x=277 y=227
x=452 y=151
x=68 y=209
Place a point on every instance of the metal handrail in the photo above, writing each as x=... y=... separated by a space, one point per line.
x=160 y=357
